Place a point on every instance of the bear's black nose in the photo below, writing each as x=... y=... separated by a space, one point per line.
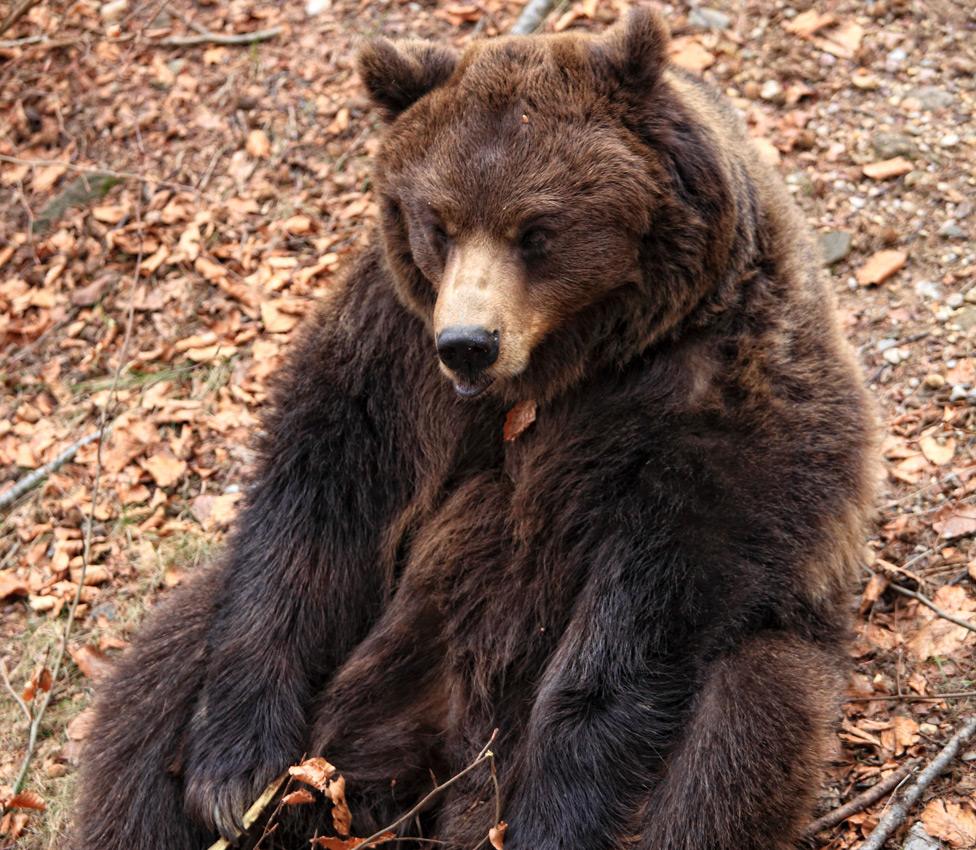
x=467 y=350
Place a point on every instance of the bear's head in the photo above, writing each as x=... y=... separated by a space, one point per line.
x=548 y=205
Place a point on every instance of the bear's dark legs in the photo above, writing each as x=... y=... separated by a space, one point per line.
x=749 y=763
x=131 y=794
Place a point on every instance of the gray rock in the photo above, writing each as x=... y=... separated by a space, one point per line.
x=964 y=318
x=709 y=19
x=919 y=839
x=888 y=145
x=933 y=97
x=895 y=59
x=834 y=246
x=951 y=230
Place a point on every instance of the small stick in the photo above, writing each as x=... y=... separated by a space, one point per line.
x=17 y=697
x=103 y=425
x=914 y=697
x=207 y=37
x=893 y=818
x=485 y=755
x=84 y=169
x=532 y=16
x=32 y=479
x=17 y=13
x=928 y=603
x=862 y=800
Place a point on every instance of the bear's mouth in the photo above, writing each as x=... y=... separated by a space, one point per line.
x=471 y=387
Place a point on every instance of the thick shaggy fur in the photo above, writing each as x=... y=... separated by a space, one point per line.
x=645 y=592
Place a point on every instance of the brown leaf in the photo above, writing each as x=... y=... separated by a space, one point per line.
x=518 y=419
x=11 y=585
x=79 y=728
x=40 y=682
x=876 y=585
x=880 y=267
x=341 y=816
x=315 y=772
x=959 y=524
x=13 y=824
x=906 y=733
x=887 y=169
x=301 y=797
x=496 y=835
x=27 y=800
x=165 y=468
x=90 y=660
x=951 y=822
x=332 y=843
x=808 y=23
x=936 y=452
x=258 y=144
x=687 y=53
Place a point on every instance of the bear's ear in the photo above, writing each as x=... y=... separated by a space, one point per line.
x=636 y=48
x=398 y=74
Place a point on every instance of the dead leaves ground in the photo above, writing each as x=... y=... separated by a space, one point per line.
x=217 y=191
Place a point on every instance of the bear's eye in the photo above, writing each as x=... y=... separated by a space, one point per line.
x=534 y=242
x=440 y=236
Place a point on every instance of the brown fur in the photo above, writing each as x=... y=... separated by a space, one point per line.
x=645 y=592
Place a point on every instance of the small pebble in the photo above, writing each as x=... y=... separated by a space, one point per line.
x=895 y=356
x=955 y=300
x=887 y=344
x=934 y=381
x=949 y=140
x=958 y=393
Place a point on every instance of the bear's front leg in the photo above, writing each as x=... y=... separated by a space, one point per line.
x=746 y=771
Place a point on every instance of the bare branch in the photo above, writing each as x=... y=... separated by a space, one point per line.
x=928 y=603
x=86 y=548
x=207 y=37
x=864 y=799
x=85 y=169
x=35 y=477
x=17 y=697
x=899 y=810
x=532 y=16
x=485 y=755
x=21 y=9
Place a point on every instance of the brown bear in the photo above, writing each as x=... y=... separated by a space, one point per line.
x=645 y=592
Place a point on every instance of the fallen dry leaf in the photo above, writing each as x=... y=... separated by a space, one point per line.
x=888 y=168
x=258 y=144
x=26 y=800
x=90 y=660
x=808 y=23
x=79 y=728
x=315 y=772
x=687 y=53
x=165 y=468
x=960 y=523
x=333 y=843
x=11 y=585
x=950 y=822
x=40 y=682
x=335 y=789
x=938 y=453
x=880 y=266
x=496 y=835
x=301 y=797
x=518 y=419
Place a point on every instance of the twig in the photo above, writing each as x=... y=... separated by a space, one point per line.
x=17 y=13
x=914 y=697
x=86 y=548
x=899 y=811
x=207 y=37
x=32 y=479
x=17 y=697
x=85 y=169
x=928 y=603
x=485 y=755
x=862 y=800
x=532 y=16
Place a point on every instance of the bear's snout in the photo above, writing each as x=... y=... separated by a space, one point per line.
x=468 y=351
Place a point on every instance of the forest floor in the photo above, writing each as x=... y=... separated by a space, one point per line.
x=169 y=213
